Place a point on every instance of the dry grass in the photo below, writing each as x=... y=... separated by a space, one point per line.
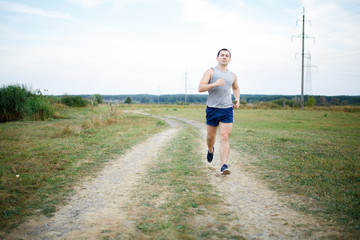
x=310 y=153
x=175 y=199
x=314 y=153
x=41 y=161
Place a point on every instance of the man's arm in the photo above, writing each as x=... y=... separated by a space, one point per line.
x=236 y=91
x=204 y=83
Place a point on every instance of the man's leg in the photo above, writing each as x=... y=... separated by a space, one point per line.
x=225 y=130
x=211 y=135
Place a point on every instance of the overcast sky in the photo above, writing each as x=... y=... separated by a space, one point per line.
x=146 y=46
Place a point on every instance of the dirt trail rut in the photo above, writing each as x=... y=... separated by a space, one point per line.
x=98 y=204
x=262 y=213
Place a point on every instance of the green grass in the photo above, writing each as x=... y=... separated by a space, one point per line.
x=176 y=201
x=17 y=102
x=309 y=153
x=315 y=154
x=41 y=161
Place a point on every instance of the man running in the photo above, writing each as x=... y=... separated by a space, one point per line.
x=218 y=81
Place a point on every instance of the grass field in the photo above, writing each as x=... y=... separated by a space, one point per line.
x=175 y=199
x=315 y=154
x=42 y=161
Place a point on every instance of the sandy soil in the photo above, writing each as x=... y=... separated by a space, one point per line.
x=262 y=213
x=100 y=203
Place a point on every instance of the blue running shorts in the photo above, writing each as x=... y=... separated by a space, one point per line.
x=216 y=115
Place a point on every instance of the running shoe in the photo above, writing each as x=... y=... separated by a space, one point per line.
x=210 y=156
x=224 y=170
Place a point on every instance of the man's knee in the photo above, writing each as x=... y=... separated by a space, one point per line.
x=211 y=137
x=225 y=136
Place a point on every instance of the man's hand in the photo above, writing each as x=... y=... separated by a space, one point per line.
x=219 y=82
x=237 y=103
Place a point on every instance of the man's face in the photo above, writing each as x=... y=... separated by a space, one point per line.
x=224 y=57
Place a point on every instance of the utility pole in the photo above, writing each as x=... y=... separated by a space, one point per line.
x=308 y=75
x=185 y=85
x=302 y=59
x=159 y=95
x=303 y=36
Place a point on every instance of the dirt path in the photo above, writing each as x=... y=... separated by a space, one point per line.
x=99 y=204
x=263 y=214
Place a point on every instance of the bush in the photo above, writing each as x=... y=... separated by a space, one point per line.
x=267 y=105
x=99 y=98
x=73 y=101
x=290 y=103
x=310 y=101
x=182 y=103
x=12 y=101
x=18 y=103
x=128 y=100
x=38 y=107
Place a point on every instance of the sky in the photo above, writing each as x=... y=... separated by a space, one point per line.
x=112 y=47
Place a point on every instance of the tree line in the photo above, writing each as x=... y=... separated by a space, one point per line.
x=18 y=102
x=288 y=100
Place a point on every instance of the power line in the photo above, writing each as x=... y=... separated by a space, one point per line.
x=337 y=55
x=335 y=19
x=338 y=13
x=303 y=36
x=308 y=74
x=185 y=85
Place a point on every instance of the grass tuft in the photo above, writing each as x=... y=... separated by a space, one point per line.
x=309 y=153
x=41 y=161
x=176 y=200
x=313 y=153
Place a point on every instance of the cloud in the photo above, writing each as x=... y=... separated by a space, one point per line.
x=21 y=8
x=89 y=3
x=204 y=12
x=122 y=51
x=95 y=3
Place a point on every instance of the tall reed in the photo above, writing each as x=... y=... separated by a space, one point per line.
x=17 y=102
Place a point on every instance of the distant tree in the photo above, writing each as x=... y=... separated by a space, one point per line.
x=143 y=100
x=73 y=101
x=290 y=100
x=311 y=101
x=128 y=100
x=99 y=98
x=322 y=101
x=93 y=99
x=335 y=101
x=345 y=102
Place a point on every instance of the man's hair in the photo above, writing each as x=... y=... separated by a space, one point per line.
x=224 y=49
